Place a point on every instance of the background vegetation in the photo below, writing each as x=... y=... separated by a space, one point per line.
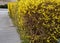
x=3 y=6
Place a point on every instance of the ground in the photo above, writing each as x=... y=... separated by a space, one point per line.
x=8 y=33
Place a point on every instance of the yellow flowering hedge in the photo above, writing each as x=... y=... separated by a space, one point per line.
x=12 y=8
x=38 y=21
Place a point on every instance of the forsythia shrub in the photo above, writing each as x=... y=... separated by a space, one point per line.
x=38 y=21
x=12 y=8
